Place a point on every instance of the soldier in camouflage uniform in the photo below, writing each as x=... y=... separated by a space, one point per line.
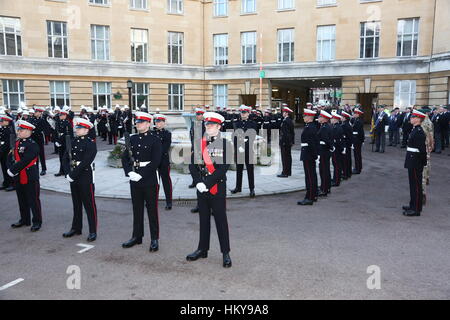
x=427 y=127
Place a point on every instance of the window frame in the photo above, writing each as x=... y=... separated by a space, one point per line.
x=244 y=47
x=218 y=96
x=365 y=37
x=133 y=48
x=398 y=85
x=179 y=3
x=170 y=47
x=216 y=49
x=95 y=96
x=54 y=93
x=319 y=42
x=106 y=41
x=217 y=4
x=244 y=4
x=171 y=96
x=291 y=45
x=135 y=94
x=65 y=44
x=18 y=50
x=7 y=92
x=415 y=36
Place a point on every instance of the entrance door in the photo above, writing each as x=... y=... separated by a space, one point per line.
x=367 y=100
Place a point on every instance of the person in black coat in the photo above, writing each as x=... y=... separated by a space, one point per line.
x=358 y=138
x=287 y=140
x=337 y=134
x=22 y=167
x=244 y=136
x=140 y=162
x=5 y=148
x=348 y=142
x=406 y=126
x=416 y=159
x=64 y=129
x=325 y=146
x=79 y=170
x=394 y=129
x=164 y=167
x=208 y=171
x=381 y=121
x=38 y=135
x=309 y=154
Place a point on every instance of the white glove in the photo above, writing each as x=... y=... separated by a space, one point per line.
x=353 y=147
x=69 y=179
x=134 y=176
x=344 y=151
x=241 y=149
x=318 y=158
x=332 y=150
x=58 y=144
x=201 y=187
x=10 y=173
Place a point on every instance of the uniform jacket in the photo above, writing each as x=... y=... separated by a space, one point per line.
x=325 y=140
x=165 y=137
x=309 y=136
x=358 y=136
x=287 y=133
x=84 y=151
x=416 y=139
x=28 y=151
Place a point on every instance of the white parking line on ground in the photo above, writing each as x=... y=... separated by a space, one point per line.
x=85 y=246
x=9 y=285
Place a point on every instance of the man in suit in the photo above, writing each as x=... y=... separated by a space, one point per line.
x=380 y=129
x=394 y=130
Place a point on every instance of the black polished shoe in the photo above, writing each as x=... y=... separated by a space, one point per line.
x=10 y=188
x=35 y=227
x=3 y=188
x=71 y=233
x=168 y=206
x=322 y=194
x=236 y=191
x=196 y=255
x=20 y=224
x=282 y=175
x=226 y=260
x=305 y=202
x=334 y=184
x=91 y=237
x=411 y=213
x=132 y=242
x=405 y=208
x=192 y=186
x=43 y=173
x=252 y=194
x=354 y=171
x=194 y=210
x=154 y=246
x=59 y=174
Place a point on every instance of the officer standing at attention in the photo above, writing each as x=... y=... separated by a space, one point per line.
x=38 y=135
x=287 y=139
x=348 y=141
x=64 y=128
x=79 y=171
x=338 y=147
x=309 y=153
x=23 y=168
x=209 y=174
x=244 y=136
x=5 y=148
x=165 y=137
x=325 y=146
x=140 y=161
x=416 y=159
x=358 y=138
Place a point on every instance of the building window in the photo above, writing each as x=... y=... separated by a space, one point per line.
x=57 y=39
x=138 y=4
x=10 y=37
x=407 y=37
x=13 y=93
x=248 y=47
x=285 y=4
x=140 y=95
x=176 y=97
x=405 y=93
x=139 y=45
x=220 y=95
x=175 y=6
x=100 y=42
x=326 y=43
x=102 y=94
x=220 y=8
x=59 y=93
x=248 y=6
x=175 y=47
x=104 y=2
x=286 y=45
x=325 y=3
x=369 y=40
x=220 y=49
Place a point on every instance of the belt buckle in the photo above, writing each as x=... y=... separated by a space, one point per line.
x=136 y=164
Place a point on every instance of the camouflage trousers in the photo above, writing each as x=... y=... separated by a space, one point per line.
x=426 y=174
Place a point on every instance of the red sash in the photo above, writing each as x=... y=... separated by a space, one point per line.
x=23 y=173
x=209 y=164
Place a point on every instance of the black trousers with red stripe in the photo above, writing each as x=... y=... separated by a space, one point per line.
x=286 y=160
x=415 y=188
x=358 y=157
x=309 y=167
x=336 y=158
x=41 y=158
x=325 y=174
x=215 y=205
x=83 y=195
x=28 y=196
x=164 y=174
x=250 y=175
x=147 y=196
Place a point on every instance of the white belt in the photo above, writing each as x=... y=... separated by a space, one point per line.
x=412 y=149
x=143 y=164
x=355 y=132
x=304 y=144
x=322 y=142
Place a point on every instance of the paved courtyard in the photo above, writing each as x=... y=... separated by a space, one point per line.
x=279 y=250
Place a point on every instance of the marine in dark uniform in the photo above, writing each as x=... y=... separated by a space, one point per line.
x=244 y=136
x=140 y=166
x=287 y=139
x=358 y=139
x=208 y=171
x=348 y=142
x=64 y=129
x=337 y=157
x=309 y=153
x=5 y=148
x=325 y=146
x=196 y=133
x=23 y=168
x=164 y=167
x=79 y=167
x=416 y=159
x=38 y=135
